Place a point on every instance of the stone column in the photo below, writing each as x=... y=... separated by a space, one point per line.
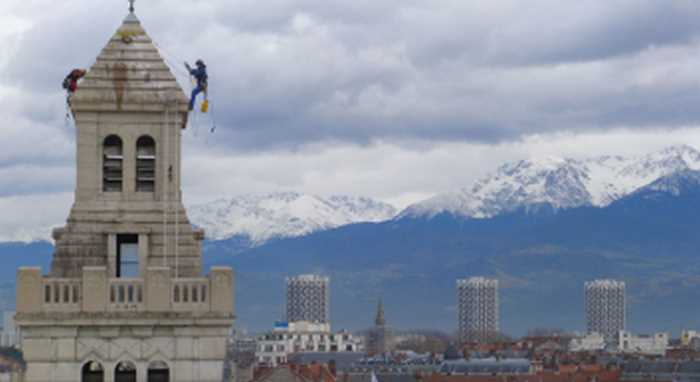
x=128 y=163
x=142 y=371
x=143 y=254
x=95 y=289
x=89 y=155
x=29 y=290
x=221 y=281
x=158 y=289
x=112 y=254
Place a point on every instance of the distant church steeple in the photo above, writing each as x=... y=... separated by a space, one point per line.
x=379 y=337
x=379 y=320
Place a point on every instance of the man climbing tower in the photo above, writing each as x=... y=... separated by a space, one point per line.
x=70 y=83
x=199 y=73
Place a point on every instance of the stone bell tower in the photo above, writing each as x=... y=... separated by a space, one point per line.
x=129 y=111
x=124 y=299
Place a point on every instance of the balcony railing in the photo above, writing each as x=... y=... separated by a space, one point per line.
x=61 y=294
x=126 y=294
x=190 y=294
x=96 y=292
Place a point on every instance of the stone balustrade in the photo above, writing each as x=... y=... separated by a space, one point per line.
x=126 y=294
x=96 y=292
x=190 y=294
x=61 y=294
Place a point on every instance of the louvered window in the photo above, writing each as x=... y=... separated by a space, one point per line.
x=112 y=167
x=145 y=164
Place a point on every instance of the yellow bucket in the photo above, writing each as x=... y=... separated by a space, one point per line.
x=205 y=106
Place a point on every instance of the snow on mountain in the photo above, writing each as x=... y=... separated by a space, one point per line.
x=676 y=184
x=559 y=182
x=280 y=215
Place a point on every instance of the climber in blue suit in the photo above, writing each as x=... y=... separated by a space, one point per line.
x=200 y=74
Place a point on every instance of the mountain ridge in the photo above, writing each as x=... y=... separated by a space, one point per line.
x=263 y=217
x=528 y=185
x=542 y=258
x=560 y=182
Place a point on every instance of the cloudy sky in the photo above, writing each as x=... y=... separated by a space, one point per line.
x=394 y=99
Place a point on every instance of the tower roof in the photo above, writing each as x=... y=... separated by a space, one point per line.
x=129 y=75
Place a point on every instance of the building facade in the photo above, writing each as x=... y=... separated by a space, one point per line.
x=308 y=299
x=242 y=358
x=587 y=343
x=477 y=309
x=10 y=332
x=125 y=299
x=605 y=308
x=303 y=337
x=655 y=344
x=687 y=336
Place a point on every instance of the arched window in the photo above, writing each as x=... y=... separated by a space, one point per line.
x=92 y=372
x=112 y=164
x=158 y=371
x=145 y=164
x=125 y=372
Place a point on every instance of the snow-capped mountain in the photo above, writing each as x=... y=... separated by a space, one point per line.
x=559 y=182
x=676 y=184
x=282 y=215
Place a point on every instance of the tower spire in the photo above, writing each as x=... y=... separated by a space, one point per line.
x=131 y=6
x=380 y=321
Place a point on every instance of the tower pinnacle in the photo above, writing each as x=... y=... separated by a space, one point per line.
x=379 y=320
x=131 y=6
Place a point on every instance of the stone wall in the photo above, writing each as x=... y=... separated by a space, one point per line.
x=192 y=353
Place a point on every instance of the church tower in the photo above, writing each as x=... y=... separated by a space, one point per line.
x=125 y=299
x=379 y=339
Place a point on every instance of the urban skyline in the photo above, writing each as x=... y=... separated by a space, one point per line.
x=478 y=302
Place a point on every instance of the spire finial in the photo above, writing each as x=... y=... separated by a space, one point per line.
x=131 y=6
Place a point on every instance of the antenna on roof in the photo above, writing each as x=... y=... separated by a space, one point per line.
x=131 y=6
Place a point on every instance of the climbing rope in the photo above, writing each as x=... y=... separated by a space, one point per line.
x=206 y=107
x=172 y=173
x=177 y=200
x=164 y=156
x=168 y=57
x=213 y=119
x=68 y=114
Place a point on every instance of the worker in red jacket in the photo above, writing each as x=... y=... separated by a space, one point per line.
x=70 y=83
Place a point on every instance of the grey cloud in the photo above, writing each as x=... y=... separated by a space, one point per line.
x=24 y=180
x=341 y=96
x=288 y=73
x=63 y=38
x=562 y=32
